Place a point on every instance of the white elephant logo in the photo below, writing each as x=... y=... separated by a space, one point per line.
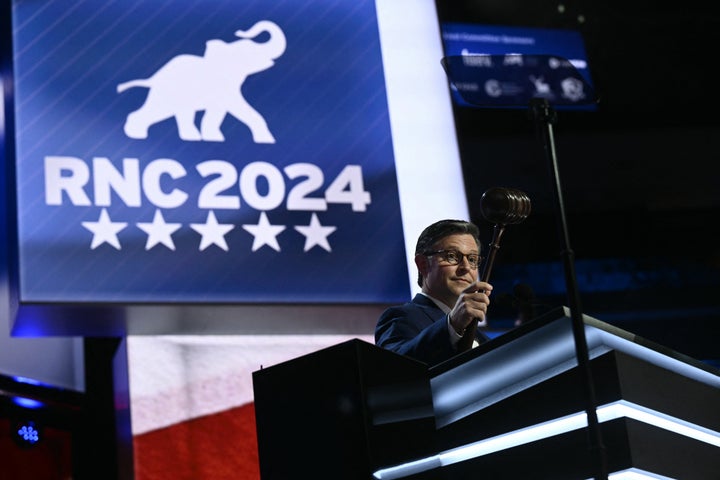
x=212 y=83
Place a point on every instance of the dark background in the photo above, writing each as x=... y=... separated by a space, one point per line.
x=640 y=176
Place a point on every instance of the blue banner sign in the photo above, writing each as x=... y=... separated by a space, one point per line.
x=509 y=65
x=204 y=152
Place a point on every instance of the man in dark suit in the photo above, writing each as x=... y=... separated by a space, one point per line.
x=431 y=326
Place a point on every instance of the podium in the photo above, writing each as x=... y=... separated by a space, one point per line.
x=341 y=413
x=511 y=408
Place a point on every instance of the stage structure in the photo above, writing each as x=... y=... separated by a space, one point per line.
x=510 y=408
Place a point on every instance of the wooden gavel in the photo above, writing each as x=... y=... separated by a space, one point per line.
x=502 y=207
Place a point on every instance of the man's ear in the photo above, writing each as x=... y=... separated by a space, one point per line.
x=421 y=262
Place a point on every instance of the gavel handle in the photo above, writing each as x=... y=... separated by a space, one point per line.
x=466 y=342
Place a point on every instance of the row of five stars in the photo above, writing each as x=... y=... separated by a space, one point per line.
x=159 y=232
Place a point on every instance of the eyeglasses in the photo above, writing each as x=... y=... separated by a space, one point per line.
x=453 y=257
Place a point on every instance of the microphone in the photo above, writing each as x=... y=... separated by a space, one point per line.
x=524 y=300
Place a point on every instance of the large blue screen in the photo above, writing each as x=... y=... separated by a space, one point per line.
x=210 y=152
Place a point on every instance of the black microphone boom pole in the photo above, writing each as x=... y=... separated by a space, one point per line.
x=544 y=116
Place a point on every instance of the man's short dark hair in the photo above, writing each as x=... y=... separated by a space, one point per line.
x=441 y=229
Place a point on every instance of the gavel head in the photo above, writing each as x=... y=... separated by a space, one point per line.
x=505 y=206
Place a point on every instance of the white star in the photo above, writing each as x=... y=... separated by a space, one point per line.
x=159 y=232
x=212 y=232
x=264 y=233
x=316 y=234
x=104 y=230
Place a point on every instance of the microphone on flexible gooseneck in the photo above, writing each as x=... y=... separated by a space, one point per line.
x=500 y=206
x=525 y=303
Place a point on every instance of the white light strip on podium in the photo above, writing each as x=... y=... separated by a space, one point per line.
x=636 y=474
x=548 y=429
x=637 y=412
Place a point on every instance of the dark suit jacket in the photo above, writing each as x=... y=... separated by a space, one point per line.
x=419 y=330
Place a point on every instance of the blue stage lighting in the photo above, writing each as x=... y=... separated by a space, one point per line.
x=26 y=433
x=27 y=402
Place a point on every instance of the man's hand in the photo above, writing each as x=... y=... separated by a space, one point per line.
x=472 y=303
